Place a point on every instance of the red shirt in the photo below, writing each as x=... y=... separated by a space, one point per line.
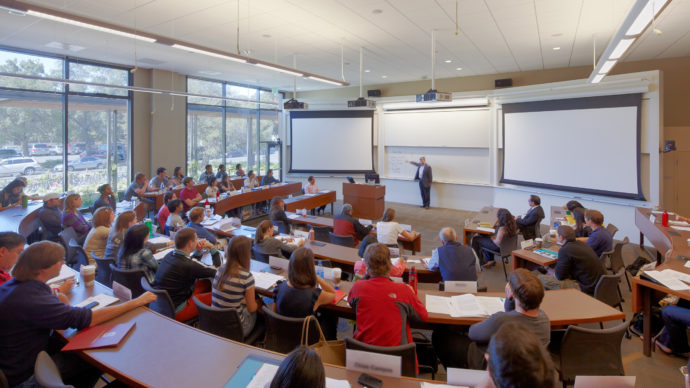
x=186 y=194
x=162 y=216
x=345 y=228
x=382 y=306
x=4 y=277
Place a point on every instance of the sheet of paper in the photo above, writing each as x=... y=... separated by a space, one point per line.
x=432 y=385
x=293 y=216
x=265 y=280
x=333 y=383
x=687 y=264
x=668 y=280
x=102 y=299
x=161 y=254
x=466 y=305
x=490 y=304
x=263 y=376
x=427 y=261
x=678 y=275
x=159 y=240
x=413 y=261
x=679 y=223
x=364 y=222
x=468 y=377
x=438 y=304
x=406 y=227
x=483 y=229
x=65 y=274
x=681 y=228
x=208 y=222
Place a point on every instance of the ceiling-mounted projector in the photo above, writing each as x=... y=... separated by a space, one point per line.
x=294 y=104
x=432 y=95
x=361 y=103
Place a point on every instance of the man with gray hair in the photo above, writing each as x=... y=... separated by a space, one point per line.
x=344 y=224
x=454 y=260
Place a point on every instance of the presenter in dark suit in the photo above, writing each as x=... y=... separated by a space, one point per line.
x=528 y=223
x=423 y=175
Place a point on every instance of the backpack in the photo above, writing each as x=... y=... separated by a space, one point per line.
x=634 y=268
x=636 y=327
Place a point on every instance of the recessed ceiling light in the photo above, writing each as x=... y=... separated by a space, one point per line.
x=384 y=76
x=377 y=11
x=556 y=48
x=367 y=71
x=458 y=68
x=448 y=61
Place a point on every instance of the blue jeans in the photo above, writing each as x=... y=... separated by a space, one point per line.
x=676 y=321
x=479 y=242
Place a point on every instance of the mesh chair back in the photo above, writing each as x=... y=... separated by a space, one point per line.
x=128 y=278
x=47 y=373
x=280 y=227
x=612 y=229
x=591 y=352
x=617 y=256
x=163 y=304
x=65 y=237
x=508 y=245
x=406 y=352
x=321 y=233
x=283 y=334
x=221 y=322
x=263 y=257
x=79 y=257
x=347 y=241
x=103 y=273
x=606 y=289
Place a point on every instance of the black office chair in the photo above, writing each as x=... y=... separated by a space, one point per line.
x=103 y=273
x=263 y=257
x=347 y=241
x=65 y=237
x=226 y=323
x=508 y=245
x=129 y=278
x=406 y=352
x=79 y=257
x=284 y=334
x=163 y=304
x=321 y=233
x=280 y=227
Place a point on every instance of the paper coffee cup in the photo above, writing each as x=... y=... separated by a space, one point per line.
x=88 y=274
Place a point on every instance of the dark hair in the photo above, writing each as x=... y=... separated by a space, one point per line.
x=220 y=166
x=275 y=205
x=388 y=215
x=566 y=232
x=517 y=359
x=250 y=173
x=167 y=196
x=176 y=171
x=527 y=288
x=311 y=178
x=173 y=205
x=161 y=170
x=595 y=216
x=210 y=181
x=138 y=176
x=133 y=241
x=263 y=227
x=378 y=259
x=301 y=272
x=184 y=236
x=35 y=257
x=506 y=220
x=535 y=199
x=11 y=240
x=101 y=188
x=238 y=253
x=238 y=166
x=206 y=167
x=573 y=204
x=301 y=368
x=270 y=171
x=13 y=185
x=579 y=216
x=187 y=180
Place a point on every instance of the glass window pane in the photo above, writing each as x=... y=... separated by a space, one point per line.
x=242 y=93
x=238 y=124
x=204 y=140
x=98 y=145
x=100 y=75
x=17 y=63
x=31 y=141
x=207 y=88
x=268 y=96
x=268 y=127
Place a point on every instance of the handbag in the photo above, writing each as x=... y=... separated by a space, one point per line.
x=331 y=352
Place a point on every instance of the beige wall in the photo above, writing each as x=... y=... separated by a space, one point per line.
x=141 y=125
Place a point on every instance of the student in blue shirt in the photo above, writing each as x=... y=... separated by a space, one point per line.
x=599 y=238
x=196 y=216
x=268 y=179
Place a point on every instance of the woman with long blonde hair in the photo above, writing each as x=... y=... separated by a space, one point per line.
x=97 y=238
x=72 y=217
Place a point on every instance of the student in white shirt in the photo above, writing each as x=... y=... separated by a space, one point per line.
x=312 y=188
x=174 y=221
x=212 y=188
x=251 y=181
x=387 y=230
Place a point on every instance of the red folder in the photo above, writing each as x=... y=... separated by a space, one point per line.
x=339 y=294
x=102 y=336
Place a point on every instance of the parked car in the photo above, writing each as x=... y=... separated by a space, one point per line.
x=9 y=153
x=55 y=150
x=40 y=149
x=19 y=166
x=85 y=163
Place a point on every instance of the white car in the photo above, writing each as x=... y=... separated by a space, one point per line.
x=19 y=166
x=85 y=163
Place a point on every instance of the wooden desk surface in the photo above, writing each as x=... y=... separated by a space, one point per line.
x=487 y=214
x=255 y=196
x=521 y=255
x=309 y=201
x=664 y=239
x=638 y=283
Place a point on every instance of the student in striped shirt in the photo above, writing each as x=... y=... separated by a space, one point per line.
x=233 y=286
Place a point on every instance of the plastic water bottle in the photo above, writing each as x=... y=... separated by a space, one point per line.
x=162 y=186
x=664 y=218
x=133 y=203
x=311 y=234
x=412 y=280
x=207 y=208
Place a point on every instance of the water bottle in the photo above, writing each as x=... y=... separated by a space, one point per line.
x=311 y=234
x=207 y=208
x=319 y=269
x=412 y=279
x=133 y=203
x=162 y=186
x=25 y=201
x=664 y=218
x=149 y=225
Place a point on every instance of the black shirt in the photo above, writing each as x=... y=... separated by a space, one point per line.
x=295 y=302
x=177 y=273
x=577 y=261
x=279 y=215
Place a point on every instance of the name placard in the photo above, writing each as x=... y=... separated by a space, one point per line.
x=373 y=363
x=463 y=287
x=465 y=377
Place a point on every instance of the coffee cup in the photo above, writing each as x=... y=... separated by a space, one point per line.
x=88 y=274
x=538 y=242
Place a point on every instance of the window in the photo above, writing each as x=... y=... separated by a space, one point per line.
x=231 y=132
x=83 y=128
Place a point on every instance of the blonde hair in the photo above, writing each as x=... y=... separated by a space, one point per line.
x=69 y=203
x=101 y=217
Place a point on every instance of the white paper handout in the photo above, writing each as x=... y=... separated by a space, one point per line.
x=465 y=305
x=264 y=376
x=161 y=254
x=265 y=280
x=65 y=274
x=668 y=278
x=102 y=299
x=483 y=229
x=159 y=240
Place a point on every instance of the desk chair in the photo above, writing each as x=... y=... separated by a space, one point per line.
x=616 y=260
x=79 y=256
x=65 y=237
x=284 y=334
x=321 y=233
x=612 y=229
x=226 y=323
x=280 y=227
x=128 y=278
x=608 y=292
x=263 y=257
x=406 y=352
x=103 y=273
x=347 y=241
x=591 y=352
x=508 y=245
x=163 y=305
x=46 y=372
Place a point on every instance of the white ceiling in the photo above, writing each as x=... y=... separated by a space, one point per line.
x=495 y=36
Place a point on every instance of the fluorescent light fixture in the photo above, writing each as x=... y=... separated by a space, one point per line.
x=606 y=67
x=384 y=76
x=367 y=71
x=458 y=68
x=478 y=101
x=621 y=48
x=209 y=53
x=597 y=78
x=264 y=66
x=324 y=80
x=556 y=48
x=448 y=61
x=89 y=26
x=646 y=15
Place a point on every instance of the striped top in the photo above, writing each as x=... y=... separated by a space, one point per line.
x=232 y=293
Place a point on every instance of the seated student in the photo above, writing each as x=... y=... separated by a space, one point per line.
x=97 y=239
x=312 y=188
x=184 y=277
x=581 y=227
x=387 y=230
x=11 y=195
x=72 y=217
x=160 y=181
x=454 y=260
x=107 y=198
x=268 y=179
x=133 y=253
x=381 y=304
x=345 y=224
x=30 y=311
x=277 y=213
x=137 y=188
x=11 y=245
x=221 y=174
x=174 y=221
x=208 y=173
x=505 y=226
x=577 y=265
x=233 y=286
x=178 y=176
x=226 y=185
x=599 y=238
x=239 y=171
x=164 y=212
x=252 y=181
x=189 y=195
x=123 y=221
x=212 y=188
x=301 y=368
x=50 y=216
x=674 y=338
x=269 y=245
x=196 y=216
x=516 y=359
x=528 y=223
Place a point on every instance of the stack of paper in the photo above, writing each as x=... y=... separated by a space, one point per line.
x=159 y=240
x=293 y=216
x=682 y=228
x=670 y=278
x=466 y=305
x=483 y=229
x=65 y=274
x=265 y=280
x=364 y=222
x=209 y=221
x=161 y=254
x=225 y=225
x=102 y=299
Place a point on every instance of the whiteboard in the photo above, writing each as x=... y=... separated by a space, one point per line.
x=438 y=128
x=449 y=165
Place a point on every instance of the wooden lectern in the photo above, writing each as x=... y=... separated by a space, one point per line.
x=367 y=200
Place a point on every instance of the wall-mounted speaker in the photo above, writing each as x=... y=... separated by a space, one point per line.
x=503 y=83
x=374 y=93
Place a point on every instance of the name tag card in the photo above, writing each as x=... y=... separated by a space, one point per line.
x=465 y=377
x=395 y=252
x=278 y=263
x=527 y=244
x=460 y=286
x=301 y=233
x=121 y=292
x=373 y=363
